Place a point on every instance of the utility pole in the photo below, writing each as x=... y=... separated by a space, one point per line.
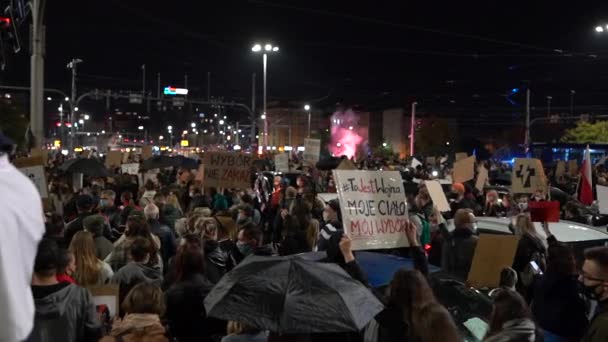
x=253 y=116
x=143 y=81
x=412 y=128
x=527 y=134
x=237 y=133
x=208 y=85
x=37 y=72
x=158 y=85
x=572 y=92
x=72 y=65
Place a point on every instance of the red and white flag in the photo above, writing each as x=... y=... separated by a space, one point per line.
x=585 y=194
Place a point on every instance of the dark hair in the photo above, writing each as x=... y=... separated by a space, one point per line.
x=252 y=232
x=54 y=225
x=409 y=291
x=599 y=255
x=247 y=199
x=139 y=249
x=126 y=196
x=433 y=323
x=246 y=209
x=144 y=298
x=508 y=277
x=212 y=191
x=159 y=195
x=63 y=260
x=508 y=305
x=560 y=260
x=188 y=262
x=149 y=185
x=47 y=258
x=137 y=226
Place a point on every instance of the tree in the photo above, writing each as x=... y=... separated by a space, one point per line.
x=587 y=133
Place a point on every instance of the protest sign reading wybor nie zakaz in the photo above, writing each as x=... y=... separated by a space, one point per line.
x=374 y=208
x=227 y=170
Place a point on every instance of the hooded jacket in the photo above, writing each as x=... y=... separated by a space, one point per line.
x=135 y=272
x=65 y=315
x=520 y=330
x=137 y=328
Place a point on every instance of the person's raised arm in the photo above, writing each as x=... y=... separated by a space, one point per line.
x=551 y=239
x=417 y=253
x=351 y=266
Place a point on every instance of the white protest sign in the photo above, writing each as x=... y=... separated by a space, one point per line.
x=415 y=163
x=528 y=176
x=312 y=149
x=130 y=169
x=281 y=162
x=36 y=174
x=374 y=208
x=602 y=198
x=437 y=195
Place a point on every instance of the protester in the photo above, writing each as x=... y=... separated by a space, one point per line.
x=557 y=305
x=594 y=279
x=109 y=209
x=249 y=242
x=139 y=269
x=493 y=205
x=433 y=323
x=54 y=230
x=143 y=305
x=530 y=248
x=95 y=224
x=332 y=223
x=511 y=320
x=136 y=227
x=185 y=310
x=66 y=266
x=90 y=270
x=459 y=245
x=64 y=311
x=148 y=196
x=164 y=233
x=508 y=280
x=84 y=205
x=218 y=200
x=459 y=201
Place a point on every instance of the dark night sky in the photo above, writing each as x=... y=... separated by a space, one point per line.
x=373 y=53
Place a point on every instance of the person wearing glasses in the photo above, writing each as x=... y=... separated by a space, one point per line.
x=594 y=278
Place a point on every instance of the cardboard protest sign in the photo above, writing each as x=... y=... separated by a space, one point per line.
x=482 y=178
x=464 y=170
x=461 y=155
x=131 y=168
x=528 y=176
x=560 y=169
x=312 y=150
x=544 y=211
x=492 y=254
x=106 y=299
x=33 y=169
x=281 y=162
x=38 y=152
x=374 y=209
x=200 y=174
x=146 y=152
x=572 y=168
x=437 y=195
x=113 y=159
x=227 y=170
x=602 y=198
x=346 y=165
x=415 y=163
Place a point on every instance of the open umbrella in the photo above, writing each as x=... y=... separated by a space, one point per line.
x=88 y=167
x=186 y=163
x=158 y=162
x=291 y=295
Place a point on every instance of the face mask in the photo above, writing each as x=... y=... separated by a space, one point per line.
x=103 y=203
x=523 y=206
x=538 y=198
x=191 y=194
x=244 y=248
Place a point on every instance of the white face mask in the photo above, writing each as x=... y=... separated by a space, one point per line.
x=523 y=206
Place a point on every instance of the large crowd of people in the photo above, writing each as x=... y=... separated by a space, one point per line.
x=167 y=242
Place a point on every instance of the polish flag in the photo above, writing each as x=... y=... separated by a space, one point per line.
x=586 y=190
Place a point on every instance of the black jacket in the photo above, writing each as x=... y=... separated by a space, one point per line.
x=526 y=247
x=558 y=307
x=186 y=313
x=457 y=251
x=167 y=240
x=75 y=226
x=218 y=260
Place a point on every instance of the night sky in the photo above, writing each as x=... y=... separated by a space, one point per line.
x=372 y=54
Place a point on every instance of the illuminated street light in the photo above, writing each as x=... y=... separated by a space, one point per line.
x=169 y=127
x=256 y=48
x=221 y=122
x=66 y=99
x=193 y=125
x=161 y=137
x=49 y=98
x=268 y=48
x=75 y=109
x=81 y=121
x=87 y=117
x=306 y=107
x=141 y=128
x=599 y=29
x=103 y=132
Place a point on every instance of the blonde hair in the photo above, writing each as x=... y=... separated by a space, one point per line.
x=144 y=298
x=524 y=225
x=88 y=268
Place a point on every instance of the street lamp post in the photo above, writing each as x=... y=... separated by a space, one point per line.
x=72 y=65
x=307 y=109
x=268 y=48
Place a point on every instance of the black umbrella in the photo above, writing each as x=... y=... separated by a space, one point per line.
x=329 y=163
x=158 y=162
x=88 y=167
x=186 y=163
x=291 y=295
